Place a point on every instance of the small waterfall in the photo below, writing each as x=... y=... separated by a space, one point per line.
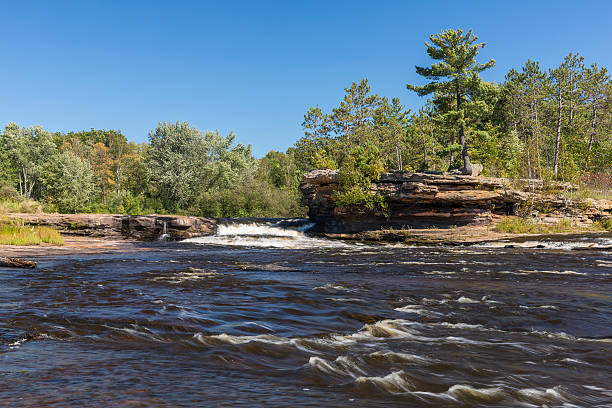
x=266 y=233
x=164 y=234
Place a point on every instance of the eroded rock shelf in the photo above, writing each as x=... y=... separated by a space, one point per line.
x=138 y=227
x=438 y=200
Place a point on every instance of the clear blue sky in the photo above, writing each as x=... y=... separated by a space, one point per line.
x=254 y=67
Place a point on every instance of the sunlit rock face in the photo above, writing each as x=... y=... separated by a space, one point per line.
x=425 y=200
x=138 y=227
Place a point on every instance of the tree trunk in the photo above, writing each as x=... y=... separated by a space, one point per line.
x=514 y=113
x=571 y=103
x=593 y=133
x=527 y=145
x=452 y=153
x=467 y=166
x=433 y=149
x=558 y=140
x=399 y=157
x=537 y=140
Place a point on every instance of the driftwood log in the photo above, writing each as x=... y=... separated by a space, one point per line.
x=16 y=263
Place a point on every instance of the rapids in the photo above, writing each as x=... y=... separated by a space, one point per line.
x=262 y=314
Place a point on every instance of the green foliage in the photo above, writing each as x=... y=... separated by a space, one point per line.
x=255 y=198
x=70 y=182
x=8 y=192
x=357 y=173
x=30 y=150
x=460 y=95
x=183 y=161
x=175 y=158
x=605 y=224
x=553 y=124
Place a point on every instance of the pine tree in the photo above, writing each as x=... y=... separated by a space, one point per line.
x=574 y=65
x=456 y=74
x=594 y=87
x=355 y=111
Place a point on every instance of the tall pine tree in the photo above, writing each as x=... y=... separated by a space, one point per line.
x=456 y=74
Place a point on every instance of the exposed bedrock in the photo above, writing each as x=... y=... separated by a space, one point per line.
x=139 y=227
x=440 y=200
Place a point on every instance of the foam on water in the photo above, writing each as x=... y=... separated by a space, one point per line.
x=284 y=234
x=417 y=309
x=401 y=357
x=563 y=244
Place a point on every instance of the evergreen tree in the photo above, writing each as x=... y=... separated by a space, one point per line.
x=356 y=111
x=391 y=123
x=594 y=86
x=456 y=74
x=573 y=64
x=316 y=124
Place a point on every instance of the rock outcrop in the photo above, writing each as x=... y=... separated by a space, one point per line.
x=138 y=227
x=425 y=200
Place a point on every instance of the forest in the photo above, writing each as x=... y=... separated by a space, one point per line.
x=551 y=124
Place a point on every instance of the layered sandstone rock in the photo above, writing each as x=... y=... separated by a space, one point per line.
x=425 y=200
x=139 y=227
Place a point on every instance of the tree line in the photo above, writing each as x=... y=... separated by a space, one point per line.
x=180 y=170
x=537 y=123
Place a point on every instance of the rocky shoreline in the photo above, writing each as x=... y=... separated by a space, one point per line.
x=423 y=208
x=461 y=236
x=426 y=201
x=116 y=226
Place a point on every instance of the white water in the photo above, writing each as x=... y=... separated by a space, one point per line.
x=562 y=244
x=266 y=235
x=164 y=234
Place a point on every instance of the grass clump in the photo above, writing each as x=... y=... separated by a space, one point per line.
x=519 y=225
x=14 y=232
x=605 y=224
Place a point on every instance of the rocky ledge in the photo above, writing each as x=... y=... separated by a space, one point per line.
x=439 y=200
x=138 y=227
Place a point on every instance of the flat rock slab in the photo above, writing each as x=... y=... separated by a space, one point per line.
x=138 y=227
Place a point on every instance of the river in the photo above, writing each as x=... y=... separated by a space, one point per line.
x=263 y=315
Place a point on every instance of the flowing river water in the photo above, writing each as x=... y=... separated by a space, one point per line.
x=263 y=315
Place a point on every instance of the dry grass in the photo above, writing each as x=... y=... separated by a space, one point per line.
x=14 y=232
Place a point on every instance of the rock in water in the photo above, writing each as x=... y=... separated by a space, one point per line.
x=17 y=263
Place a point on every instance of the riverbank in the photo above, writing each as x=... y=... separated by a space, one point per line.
x=466 y=235
x=447 y=207
x=73 y=245
x=120 y=226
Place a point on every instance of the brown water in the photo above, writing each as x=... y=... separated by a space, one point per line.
x=249 y=319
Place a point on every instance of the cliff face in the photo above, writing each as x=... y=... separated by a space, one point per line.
x=139 y=227
x=423 y=200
